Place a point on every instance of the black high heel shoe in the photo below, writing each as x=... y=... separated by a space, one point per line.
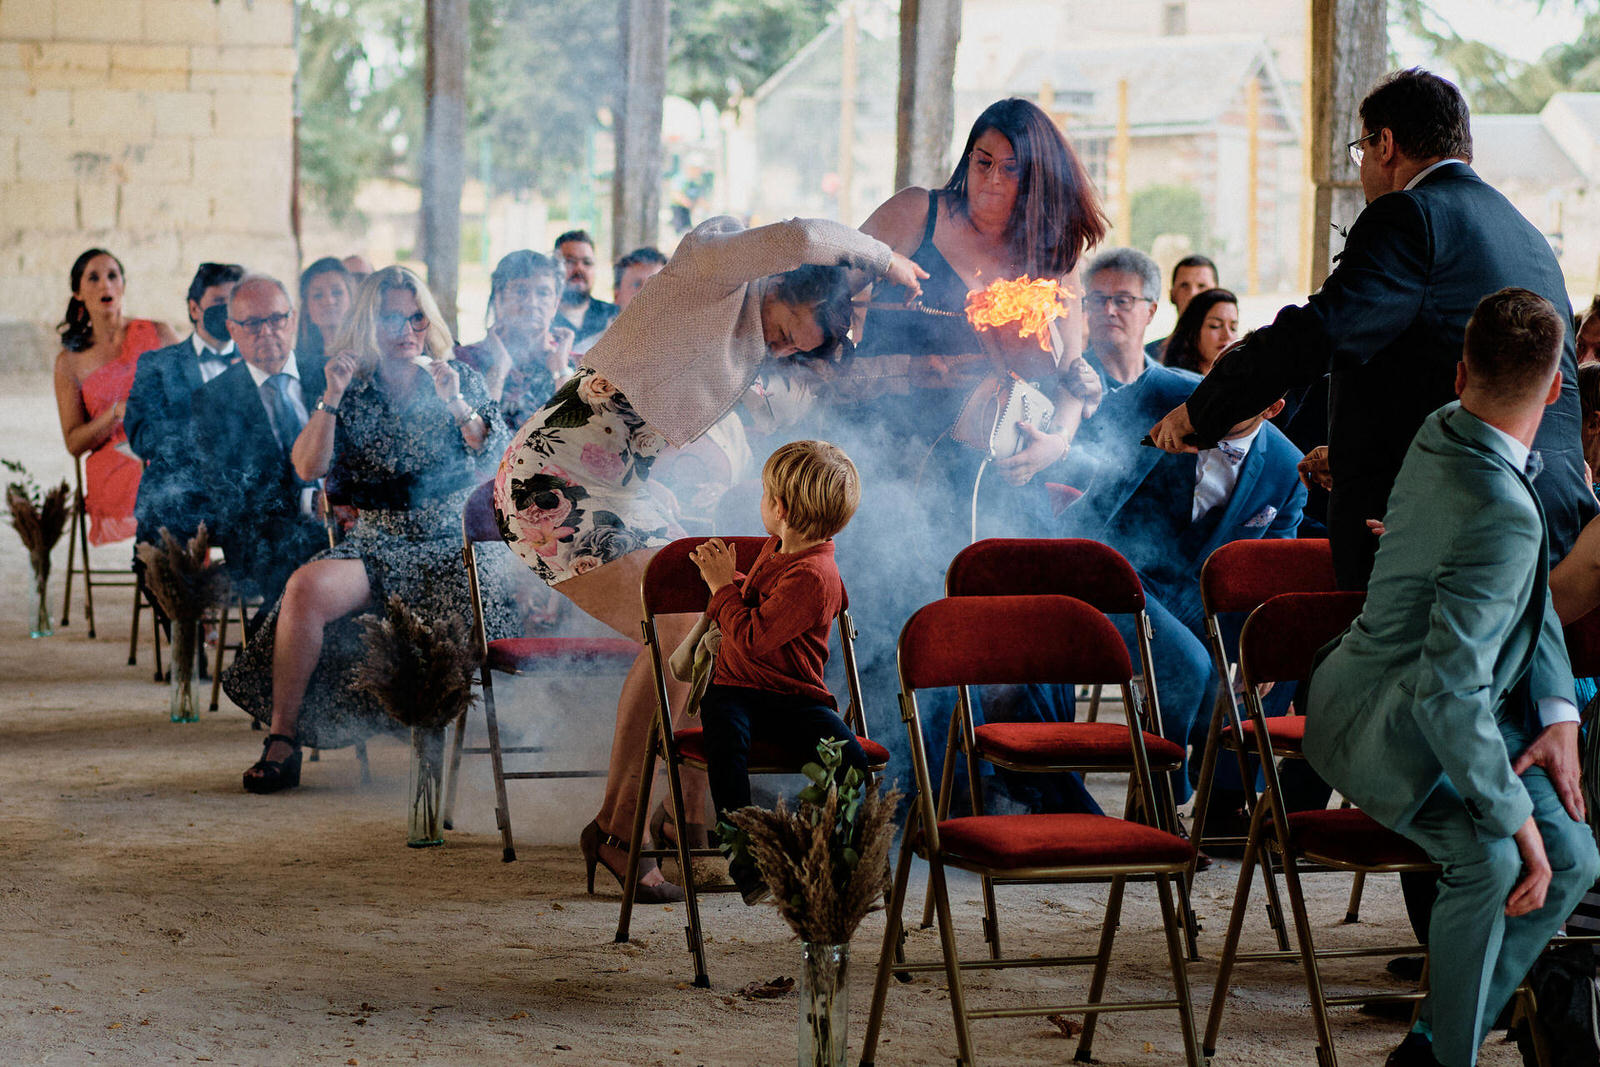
x=272 y=776
x=590 y=841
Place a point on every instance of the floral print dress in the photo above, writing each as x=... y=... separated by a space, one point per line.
x=573 y=491
x=406 y=467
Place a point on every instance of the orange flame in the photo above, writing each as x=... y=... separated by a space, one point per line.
x=1031 y=304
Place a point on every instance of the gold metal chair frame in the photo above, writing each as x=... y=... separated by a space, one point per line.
x=109 y=577
x=921 y=837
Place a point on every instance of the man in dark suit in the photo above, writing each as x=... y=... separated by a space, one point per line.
x=159 y=421
x=1389 y=321
x=246 y=422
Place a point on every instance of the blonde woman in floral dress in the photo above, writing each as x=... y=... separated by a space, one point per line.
x=573 y=492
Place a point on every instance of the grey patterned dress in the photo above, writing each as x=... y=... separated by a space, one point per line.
x=405 y=466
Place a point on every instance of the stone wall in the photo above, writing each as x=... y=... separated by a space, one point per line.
x=160 y=129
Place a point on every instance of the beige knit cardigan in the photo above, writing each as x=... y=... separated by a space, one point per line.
x=690 y=343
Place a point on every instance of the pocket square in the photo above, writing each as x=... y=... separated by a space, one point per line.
x=1262 y=518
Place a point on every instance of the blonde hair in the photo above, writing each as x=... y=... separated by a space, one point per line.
x=818 y=485
x=358 y=335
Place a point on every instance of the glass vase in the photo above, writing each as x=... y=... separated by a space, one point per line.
x=42 y=626
x=824 y=1004
x=185 y=637
x=424 y=826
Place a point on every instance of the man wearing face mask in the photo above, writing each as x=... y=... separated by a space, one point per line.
x=158 y=420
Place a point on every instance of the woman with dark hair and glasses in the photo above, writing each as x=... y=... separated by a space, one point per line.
x=326 y=291
x=1209 y=324
x=573 y=495
x=524 y=356
x=93 y=375
x=404 y=434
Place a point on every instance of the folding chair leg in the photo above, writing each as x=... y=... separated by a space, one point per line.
x=947 y=785
x=72 y=552
x=1094 y=706
x=952 y=962
x=889 y=955
x=88 y=581
x=991 y=919
x=1308 y=960
x=636 y=835
x=1269 y=876
x=1208 y=774
x=452 y=771
x=1230 y=943
x=1352 y=911
x=691 y=901
x=155 y=634
x=1170 y=916
x=1097 y=984
x=222 y=644
x=502 y=806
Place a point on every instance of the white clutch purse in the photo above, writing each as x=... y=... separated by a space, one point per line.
x=988 y=420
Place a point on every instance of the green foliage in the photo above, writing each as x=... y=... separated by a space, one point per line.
x=722 y=49
x=1161 y=209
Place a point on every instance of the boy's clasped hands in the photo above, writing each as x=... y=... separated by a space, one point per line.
x=716 y=563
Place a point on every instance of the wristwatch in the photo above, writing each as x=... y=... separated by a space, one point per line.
x=323 y=405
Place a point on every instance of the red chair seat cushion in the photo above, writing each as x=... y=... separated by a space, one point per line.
x=1351 y=836
x=1286 y=733
x=518 y=655
x=1014 y=842
x=692 y=747
x=1084 y=744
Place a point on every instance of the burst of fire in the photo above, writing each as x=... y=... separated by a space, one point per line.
x=1031 y=304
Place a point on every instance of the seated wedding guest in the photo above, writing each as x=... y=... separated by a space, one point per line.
x=1588 y=333
x=767 y=685
x=326 y=289
x=524 y=357
x=1445 y=710
x=1209 y=324
x=407 y=435
x=1191 y=276
x=585 y=314
x=94 y=373
x=160 y=421
x=246 y=421
x=573 y=492
x=632 y=271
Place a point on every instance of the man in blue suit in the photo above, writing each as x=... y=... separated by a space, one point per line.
x=159 y=422
x=1445 y=711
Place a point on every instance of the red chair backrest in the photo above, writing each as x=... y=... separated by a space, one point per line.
x=1583 y=645
x=672 y=583
x=477 y=517
x=993 y=640
x=1019 y=566
x=1282 y=636
x=1240 y=576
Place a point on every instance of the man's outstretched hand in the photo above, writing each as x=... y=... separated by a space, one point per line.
x=1556 y=750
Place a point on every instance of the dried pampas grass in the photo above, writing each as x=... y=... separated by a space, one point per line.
x=39 y=517
x=182 y=578
x=827 y=862
x=420 y=672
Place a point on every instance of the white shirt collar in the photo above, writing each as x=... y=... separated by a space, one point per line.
x=1425 y=171
x=1519 y=451
x=261 y=376
x=200 y=346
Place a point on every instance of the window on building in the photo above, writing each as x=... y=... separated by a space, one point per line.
x=1175 y=19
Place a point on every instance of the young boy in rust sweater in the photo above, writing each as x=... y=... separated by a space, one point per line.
x=767 y=687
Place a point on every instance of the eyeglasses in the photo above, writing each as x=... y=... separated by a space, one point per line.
x=397 y=323
x=264 y=322
x=1121 y=301
x=1356 y=151
x=984 y=164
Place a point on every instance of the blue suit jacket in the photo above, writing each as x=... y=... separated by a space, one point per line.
x=160 y=431
x=1137 y=498
x=1427 y=684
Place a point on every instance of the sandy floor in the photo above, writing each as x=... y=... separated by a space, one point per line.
x=150 y=911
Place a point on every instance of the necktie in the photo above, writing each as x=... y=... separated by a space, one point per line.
x=286 y=422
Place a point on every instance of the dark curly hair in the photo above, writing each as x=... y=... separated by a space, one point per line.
x=76 y=330
x=826 y=291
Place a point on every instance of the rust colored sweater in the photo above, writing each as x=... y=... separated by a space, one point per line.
x=775 y=622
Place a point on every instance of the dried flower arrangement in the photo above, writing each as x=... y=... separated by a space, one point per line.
x=827 y=862
x=39 y=517
x=185 y=583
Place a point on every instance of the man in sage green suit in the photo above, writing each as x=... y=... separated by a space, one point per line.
x=1445 y=711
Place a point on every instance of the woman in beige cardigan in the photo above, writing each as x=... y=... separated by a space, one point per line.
x=572 y=494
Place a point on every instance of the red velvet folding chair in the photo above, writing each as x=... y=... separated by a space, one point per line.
x=1278 y=643
x=1236 y=579
x=1098 y=575
x=997 y=640
x=672 y=586
x=553 y=657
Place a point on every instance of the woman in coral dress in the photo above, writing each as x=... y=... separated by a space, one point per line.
x=93 y=375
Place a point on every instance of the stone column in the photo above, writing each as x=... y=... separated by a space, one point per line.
x=444 y=150
x=636 y=189
x=929 y=32
x=1348 y=56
